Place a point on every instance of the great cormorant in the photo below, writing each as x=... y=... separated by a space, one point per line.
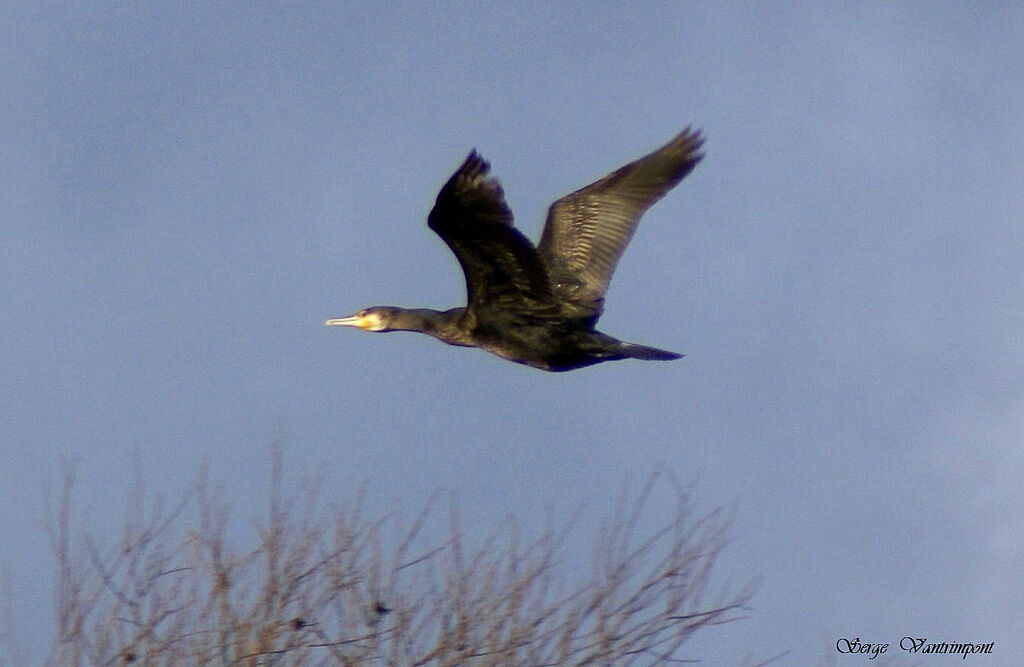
x=538 y=305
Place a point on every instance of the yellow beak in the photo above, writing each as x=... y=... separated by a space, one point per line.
x=350 y=321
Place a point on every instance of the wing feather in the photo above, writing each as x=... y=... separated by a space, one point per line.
x=504 y=273
x=587 y=231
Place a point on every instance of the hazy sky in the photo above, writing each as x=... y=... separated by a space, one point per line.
x=186 y=194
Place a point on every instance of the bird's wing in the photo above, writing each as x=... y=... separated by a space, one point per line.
x=504 y=273
x=588 y=230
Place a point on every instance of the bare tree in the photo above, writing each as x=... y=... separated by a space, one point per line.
x=331 y=586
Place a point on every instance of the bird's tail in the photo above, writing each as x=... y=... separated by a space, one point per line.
x=634 y=351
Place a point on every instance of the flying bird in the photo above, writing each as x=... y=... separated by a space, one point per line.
x=538 y=306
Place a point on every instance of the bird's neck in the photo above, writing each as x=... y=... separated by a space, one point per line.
x=442 y=325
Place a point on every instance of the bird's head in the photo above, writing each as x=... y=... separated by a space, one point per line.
x=375 y=318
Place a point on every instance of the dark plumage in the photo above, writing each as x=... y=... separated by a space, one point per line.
x=538 y=305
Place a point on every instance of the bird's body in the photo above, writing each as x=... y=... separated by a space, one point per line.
x=538 y=305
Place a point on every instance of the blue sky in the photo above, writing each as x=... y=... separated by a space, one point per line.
x=186 y=193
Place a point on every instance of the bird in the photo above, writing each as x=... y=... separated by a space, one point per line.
x=538 y=305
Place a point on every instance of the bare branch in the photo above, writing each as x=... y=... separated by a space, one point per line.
x=328 y=586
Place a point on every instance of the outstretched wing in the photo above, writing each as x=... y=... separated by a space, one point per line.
x=588 y=230
x=504 y=273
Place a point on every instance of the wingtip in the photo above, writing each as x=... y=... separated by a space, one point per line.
x=474 y=165
x=694 y=137
x=689 y=142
